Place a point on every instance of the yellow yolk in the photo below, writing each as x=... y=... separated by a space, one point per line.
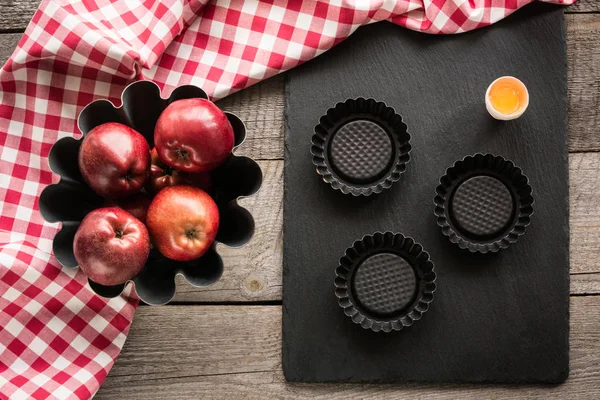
x=507 y=95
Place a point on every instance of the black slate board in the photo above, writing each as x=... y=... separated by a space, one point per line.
x=495 y=318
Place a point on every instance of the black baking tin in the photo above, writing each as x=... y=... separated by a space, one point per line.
x=71 y=199
x=501 y=317
x=361 y=146
x=385 y=282
x=483 y=203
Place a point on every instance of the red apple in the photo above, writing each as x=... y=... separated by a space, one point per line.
x=114 y=160
x=193 y=135
x=111 y=246
x=183 y=222
x=136 y=205
x=163 y=175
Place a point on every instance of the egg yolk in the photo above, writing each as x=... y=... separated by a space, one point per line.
x=507 y=96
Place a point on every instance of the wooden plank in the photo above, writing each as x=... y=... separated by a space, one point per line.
x=8 y=42
x=232 y=352
x=585 y=283
x=261 y=109
x=584 y=170
x=583 y=57
x=584 y=6
x=16 y=14
x=210 y=340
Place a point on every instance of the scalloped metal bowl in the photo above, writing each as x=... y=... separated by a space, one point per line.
x=69 y=200
x=380 y=243
x=510 y=176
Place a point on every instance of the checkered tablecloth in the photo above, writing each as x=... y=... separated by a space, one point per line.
x=57 y=338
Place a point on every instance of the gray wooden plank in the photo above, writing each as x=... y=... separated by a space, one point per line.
x=16 y=14
x=585 y=283
x=584 y=170
x=261 y=109
x=584 y=6
x=583 y=57
x=233 y=352
x=8 y=42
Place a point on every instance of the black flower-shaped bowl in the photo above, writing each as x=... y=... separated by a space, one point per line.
x=70 y=200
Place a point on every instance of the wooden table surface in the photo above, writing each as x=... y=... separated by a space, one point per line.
x=225 y=341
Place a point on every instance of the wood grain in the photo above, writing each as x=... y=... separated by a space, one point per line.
x=585 y=283
x=583 y=57
x=182 y=352
x=584 y=6
x=261 y=109
x=16 y=14
x=584 y=169
x=8 y=42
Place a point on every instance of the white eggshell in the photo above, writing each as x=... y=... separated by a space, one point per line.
x=506 y=117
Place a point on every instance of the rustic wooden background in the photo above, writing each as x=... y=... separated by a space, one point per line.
x=225 y=341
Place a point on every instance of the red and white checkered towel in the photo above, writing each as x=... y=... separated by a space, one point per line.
x=57 y=338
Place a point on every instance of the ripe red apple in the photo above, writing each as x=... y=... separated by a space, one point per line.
x=183 y=222
x=111 y=246
x=163 y=175
x=136 y=205
x=193 y=135
x=114 y=160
